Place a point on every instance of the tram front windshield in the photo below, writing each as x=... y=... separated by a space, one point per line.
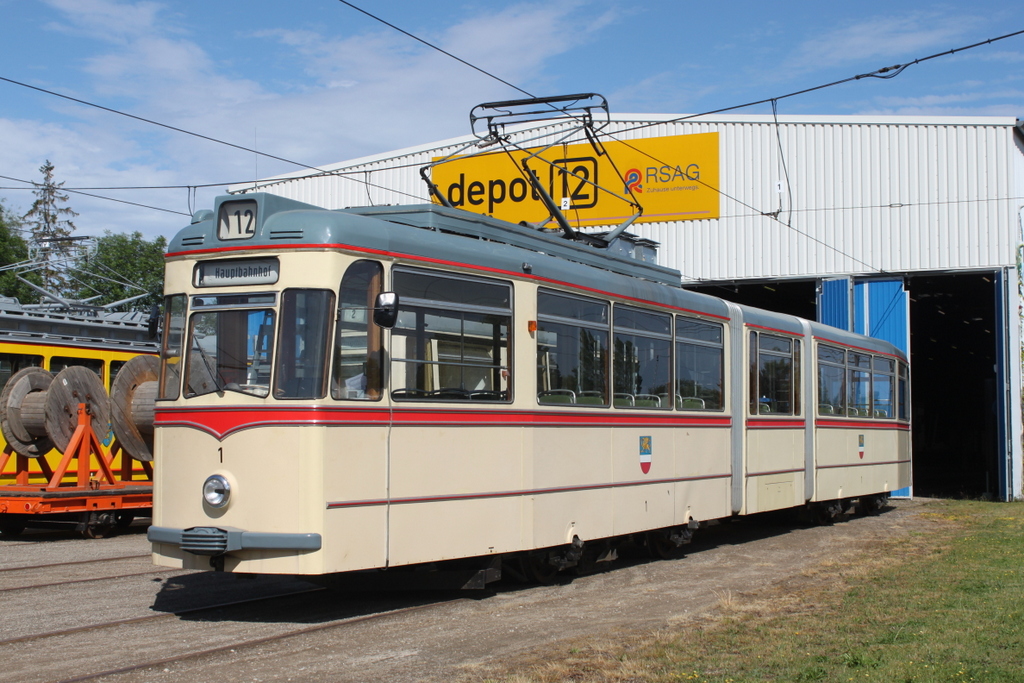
x=230 y=349
x=235 y=340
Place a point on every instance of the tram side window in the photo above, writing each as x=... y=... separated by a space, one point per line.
x=831 y=381
x=699 y=362
x=115 y=367
x=230 y=349
x=883 y=384
x=11 y=363
x=358 y=344
x=451 y=342
x=171 y=351
x=303 y=342
x=775 y=375
x=859 y=373
x=572 y=350
x=642 y=359
x=903 y=384
x=58 y=363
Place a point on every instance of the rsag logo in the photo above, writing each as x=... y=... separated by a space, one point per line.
x=661 y=178
x=632 y=179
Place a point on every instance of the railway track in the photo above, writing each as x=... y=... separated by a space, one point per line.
x=63 y=616
x=152 y=617
x=255 y=642
x=51 y=565
x=73 y=572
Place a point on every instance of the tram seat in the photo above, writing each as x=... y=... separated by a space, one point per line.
x=646 y=401
x=409 y=394
x=692 y=403
x=593 y=398
x=852 y=412
x=881 y=412
x=825 y=409
x=486 y=396
x=557 y=396
x=764 y=409
x=451 y=394
x=624 y=400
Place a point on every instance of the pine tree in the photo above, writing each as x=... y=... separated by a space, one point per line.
x=49 y=221
x=14 y=250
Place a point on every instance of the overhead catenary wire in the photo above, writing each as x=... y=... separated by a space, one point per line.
x=35 y=185
x=885 y=73
x=184 y=131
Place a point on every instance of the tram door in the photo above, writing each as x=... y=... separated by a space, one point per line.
x=775 y=448
x=356 y=461
x=877 y=308
x=449 y=389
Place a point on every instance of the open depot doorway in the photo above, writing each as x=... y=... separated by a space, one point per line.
x=955 y=327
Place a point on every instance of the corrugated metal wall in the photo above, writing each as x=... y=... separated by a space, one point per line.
x=861 y=196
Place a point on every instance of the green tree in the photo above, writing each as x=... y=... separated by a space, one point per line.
x=122 y=266
x=14 y=249
x=49 y=221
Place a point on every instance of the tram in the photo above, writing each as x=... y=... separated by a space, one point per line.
x=386 y=387
x=55 y=339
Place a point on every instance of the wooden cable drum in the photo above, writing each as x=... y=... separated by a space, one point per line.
x=132 y=400
x=72 y=386
x=22 y=412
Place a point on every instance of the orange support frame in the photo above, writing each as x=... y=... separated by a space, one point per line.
x=83 y=446
x=105 y=491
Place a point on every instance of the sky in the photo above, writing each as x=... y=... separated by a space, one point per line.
x=319 y=82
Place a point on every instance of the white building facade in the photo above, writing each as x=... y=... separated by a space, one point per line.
x=903 y=228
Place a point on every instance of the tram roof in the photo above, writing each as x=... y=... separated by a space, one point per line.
x=96 y=329
x=444 y=236
x=460 y=239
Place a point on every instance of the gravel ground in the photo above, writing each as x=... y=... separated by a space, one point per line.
x=451 y=636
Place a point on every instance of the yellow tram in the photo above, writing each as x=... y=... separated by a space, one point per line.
x=55 y=340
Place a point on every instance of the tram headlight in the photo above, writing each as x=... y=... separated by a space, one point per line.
x=216 y=491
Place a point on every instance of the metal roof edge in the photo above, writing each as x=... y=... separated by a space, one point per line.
x=792 y=119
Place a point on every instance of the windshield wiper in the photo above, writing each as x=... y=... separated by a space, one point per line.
x=209 y=367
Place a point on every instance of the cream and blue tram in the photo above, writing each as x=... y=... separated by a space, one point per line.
x=530 y=396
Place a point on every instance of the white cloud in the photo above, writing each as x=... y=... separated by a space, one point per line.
x=350 y=96
x=881 y=37
x=937 y=102
x=106 y=20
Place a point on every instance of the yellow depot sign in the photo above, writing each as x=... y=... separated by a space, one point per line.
x=674 y=178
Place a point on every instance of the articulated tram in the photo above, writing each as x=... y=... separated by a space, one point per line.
x=383 y=387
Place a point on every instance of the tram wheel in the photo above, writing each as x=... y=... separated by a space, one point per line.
x=11 y=527
x=537 y=569
x=93 y=525
x=96 y=531
x=870 y=505
x=661 y=546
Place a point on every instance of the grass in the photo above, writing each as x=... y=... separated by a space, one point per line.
x=943 y=606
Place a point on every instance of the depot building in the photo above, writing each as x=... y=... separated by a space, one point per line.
x=903 y=228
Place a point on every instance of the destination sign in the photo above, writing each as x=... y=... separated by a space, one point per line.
x=236 y=272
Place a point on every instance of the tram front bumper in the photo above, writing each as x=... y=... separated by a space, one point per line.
x=213 y=541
